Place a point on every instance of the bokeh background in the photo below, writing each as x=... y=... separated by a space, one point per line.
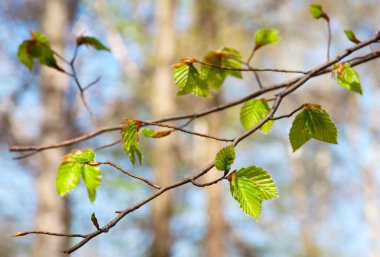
x=329 y=194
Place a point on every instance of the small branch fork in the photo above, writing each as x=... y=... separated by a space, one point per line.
x=287 y=88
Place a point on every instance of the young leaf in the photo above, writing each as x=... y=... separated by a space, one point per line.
x=351 y=36
x=130 y=141
x=226 y=57
x=224 y=158
x=266 y=37
x=147 y=132
x=312 y=122
x=316 y=11
x=247 y=194
x=68 y=176
x=92 y=176
x=93 y=42
x=188 y=80
x=83 y=156
x=261 y=179
x=348 y=78
x=38 y=47
x=252 y=112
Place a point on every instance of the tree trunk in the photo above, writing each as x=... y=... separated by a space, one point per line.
x=216 y=224
x=163 y=104
x=52 y=214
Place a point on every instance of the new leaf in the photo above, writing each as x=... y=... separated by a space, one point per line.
x=38 y=47
x=312 y=122
x=131 y=141
x=252 y=112
x=351 y=36
x=93 y=42
x=92 y=176
x=266 y=37
x=247 y=194
x=348 y=78
x=224 y=158
x=316 y=11
x=188 y=80
x=227 y=58
x=261 y=179
x=68 y=176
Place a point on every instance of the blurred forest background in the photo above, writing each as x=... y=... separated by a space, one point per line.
x=329 y=194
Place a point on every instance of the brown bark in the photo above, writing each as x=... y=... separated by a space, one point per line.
x=163 y=104
x=216 y=224
x=52 y=214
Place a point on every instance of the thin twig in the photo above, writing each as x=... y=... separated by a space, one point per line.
x=16 y=148
x=185 y=131
x=108 y=145
x=287 y=115
x=250 y=68
x=24 y=233
x=125 y=172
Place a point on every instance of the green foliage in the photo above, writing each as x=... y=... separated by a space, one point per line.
x=250 y=187
x=348 y=77
x=312 y=122
x=224 y=158
x=93 y=42
x=130 y=141
x=252 y=112
x=316 y=11
x=92 y=176
x=266 y=37
x=147 y=132
x=38 y=47
x=188 y=79
x=261 y=179
x=351 y=36
x=228 y=58
x=74 y=166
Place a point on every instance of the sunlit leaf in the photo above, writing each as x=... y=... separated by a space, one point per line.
x=261 y=179
x=131 y=141
x=252 y=112
x=247 y=194
x=266 y=37
x=93 y=42
x=224 y=158
x=147 y=132
x=348 y=78
x=316 y=11
x=83 y=156
x=351 y=36
x=226 y=57
x=312 y=122
x=188 y=80
x=92 y=176
x=68 y=176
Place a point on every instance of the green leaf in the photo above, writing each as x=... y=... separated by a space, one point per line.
x=247 y=194
x=348 y=78
x=252 y=112
x=92 y=176
x=38 y=47
x=312 y=122
x=130 y=141
x=316 y=11
x=228 y=58
x=83 y=156
x=266 y=37
x=224 y=158
x=93 y=42
x=68 y=176
x=351 y=36
x=188 y=80
x=24 y=57
x=147 y=132
x=261 y=179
